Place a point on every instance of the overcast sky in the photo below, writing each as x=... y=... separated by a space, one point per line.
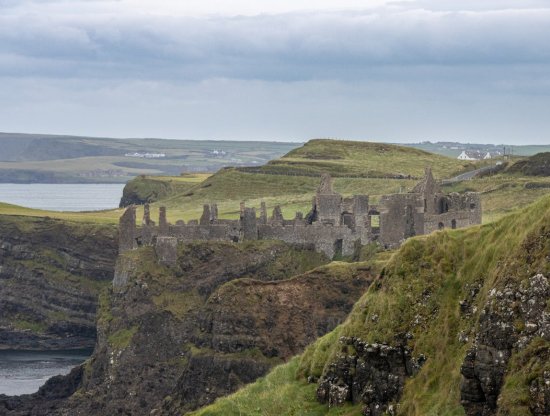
x=401 y=71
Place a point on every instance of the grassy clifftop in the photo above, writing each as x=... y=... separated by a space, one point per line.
x=291 y=181
x=363 y=159
x=439 y=293
x=147 y=189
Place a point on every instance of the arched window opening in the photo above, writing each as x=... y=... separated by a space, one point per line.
x=443 y=206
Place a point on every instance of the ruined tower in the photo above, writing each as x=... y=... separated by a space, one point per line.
x=327 y=203
x=127 y=230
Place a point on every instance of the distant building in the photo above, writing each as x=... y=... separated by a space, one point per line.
x=469 y=155
x=487 y=156
x=146 y=155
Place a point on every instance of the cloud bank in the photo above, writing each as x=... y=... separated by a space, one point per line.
x=394 y=71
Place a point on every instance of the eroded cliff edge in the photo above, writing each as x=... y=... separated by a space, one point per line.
x=51 y=273
x=175 y=338
x=457 y=323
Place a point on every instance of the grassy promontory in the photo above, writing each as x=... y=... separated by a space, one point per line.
x=345 y=158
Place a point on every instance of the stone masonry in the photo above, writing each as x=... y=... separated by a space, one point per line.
x=335 y=226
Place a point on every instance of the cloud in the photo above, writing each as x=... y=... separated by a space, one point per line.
x=259 y=110
x=294 y=46
x=395 y=70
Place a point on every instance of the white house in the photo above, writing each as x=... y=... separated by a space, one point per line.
x=468 y=155
x=487 y=156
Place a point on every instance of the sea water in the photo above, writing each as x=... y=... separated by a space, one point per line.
x=23 y=372
x=62 y=197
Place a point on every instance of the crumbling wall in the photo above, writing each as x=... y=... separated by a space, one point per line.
x=167 y=250
x=361 y=210
x=324 y=239
x=249 y=226
x=473 y=202
x=127 y=230
x=220 y=232
x=329 y=209
x=206 y=215
x=163 y=221
x=401 y=217
x=430 y=192
x=463 y=210
x=334 y=225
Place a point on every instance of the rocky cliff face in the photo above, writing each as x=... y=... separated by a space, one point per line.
x=457 y=323
x=51 y=273
x=141 y=190
x=247 y=326
x=372 y=374
x=514 y=321
x=174 y=338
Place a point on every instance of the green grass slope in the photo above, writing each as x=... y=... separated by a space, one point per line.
x=504 y=193
x=291 y=181
x=363 y=159
x=357 y=168
x=536 y=165
x=419 y=292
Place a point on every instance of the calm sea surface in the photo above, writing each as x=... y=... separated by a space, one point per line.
x=23 y=372
x=62 y=197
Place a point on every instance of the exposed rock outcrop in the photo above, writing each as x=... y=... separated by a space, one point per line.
x=192 y=332
x=51 y=272
x=536 y=165
x=475 y=305
x=512 y=318
x=251 y=325
x=372 y=374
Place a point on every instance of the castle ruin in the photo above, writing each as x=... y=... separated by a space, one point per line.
x=335 y=226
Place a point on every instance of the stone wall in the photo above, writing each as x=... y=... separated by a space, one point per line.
x=221 y=232
x=127 y=230
x=462 y=210
x=329 y=209
x=334 y=226
x=249 y=226
x=329 y=240
x=167 y=250
x=401 y=217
